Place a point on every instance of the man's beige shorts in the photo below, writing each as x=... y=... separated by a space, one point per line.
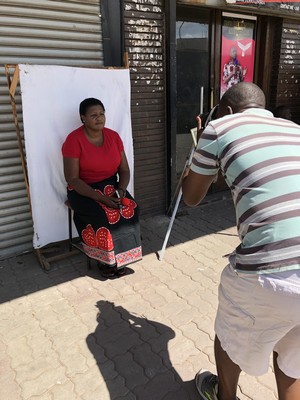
x=253 y=321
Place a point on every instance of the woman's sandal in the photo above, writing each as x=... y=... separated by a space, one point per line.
x=107 y=272
x=121 y=271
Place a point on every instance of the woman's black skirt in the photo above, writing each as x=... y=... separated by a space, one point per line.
x=110 y=236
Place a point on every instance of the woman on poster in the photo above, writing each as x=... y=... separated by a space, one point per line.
x=233 y=72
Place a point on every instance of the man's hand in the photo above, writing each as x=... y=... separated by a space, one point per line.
x=199 y=127
x=195 y=187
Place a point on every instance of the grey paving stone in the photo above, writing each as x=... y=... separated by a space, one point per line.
x=69 y=334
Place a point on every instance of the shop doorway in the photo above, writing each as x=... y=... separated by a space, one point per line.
x=204 y=38
x=193 y=40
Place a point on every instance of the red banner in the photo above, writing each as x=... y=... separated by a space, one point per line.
x=238 y=50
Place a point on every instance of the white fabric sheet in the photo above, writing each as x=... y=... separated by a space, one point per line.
x=50 y=98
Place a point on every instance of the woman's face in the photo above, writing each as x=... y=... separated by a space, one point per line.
x=94 y=118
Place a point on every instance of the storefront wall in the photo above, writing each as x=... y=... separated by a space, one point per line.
x=70 y=33
x=144 y=37
x=284 y=85
x=36 y=32
x=276 y=67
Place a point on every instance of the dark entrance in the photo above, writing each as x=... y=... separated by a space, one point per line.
x=193 y=38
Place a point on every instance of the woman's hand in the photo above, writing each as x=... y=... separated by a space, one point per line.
x=110 y=201
x=124 y=175
x=121 y=193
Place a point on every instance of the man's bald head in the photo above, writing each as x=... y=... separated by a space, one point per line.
x=241 y=96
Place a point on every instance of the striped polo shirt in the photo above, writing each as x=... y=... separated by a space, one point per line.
x=259 y=157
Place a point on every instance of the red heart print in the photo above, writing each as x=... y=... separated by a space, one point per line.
x=112 y=214
x=109 y=190
x=104 y=239
x=89 y=237
x=128 y=211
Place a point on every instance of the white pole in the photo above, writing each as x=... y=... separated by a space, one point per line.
x=161 y=253
x=201 y=99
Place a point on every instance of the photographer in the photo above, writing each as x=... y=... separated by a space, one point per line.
x=259 y=291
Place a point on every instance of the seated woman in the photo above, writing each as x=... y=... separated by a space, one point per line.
x=97 y=173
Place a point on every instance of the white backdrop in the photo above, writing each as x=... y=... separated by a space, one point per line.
x=50 y=99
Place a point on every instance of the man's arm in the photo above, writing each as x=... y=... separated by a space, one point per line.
x=195 y=187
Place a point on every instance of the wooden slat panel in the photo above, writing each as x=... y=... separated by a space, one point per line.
x=285 y=80
x=36 y=32
x=144 y=28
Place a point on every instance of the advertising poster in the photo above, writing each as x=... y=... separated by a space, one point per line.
x=237 y=52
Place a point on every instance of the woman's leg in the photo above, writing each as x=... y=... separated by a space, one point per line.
x=288 y=388
x=228 y=373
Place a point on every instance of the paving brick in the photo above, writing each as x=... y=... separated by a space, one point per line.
x=9 y=388
x=130 y=370
x=151 y=362
x=73 y=361
x=62 y=391
x=92 y=380
x=127 y=396
x=183 y=394
x=20 y=352
x=116 y=339
x=256 y=391
x=43 y=382
x=69 y=334
x=66 y=333
x=16 y=328
x=199 y=338
x=268 y=380
x=152 y=296
x=114 y=389
x=158 y=387
x=202 y=361
x=183 y=317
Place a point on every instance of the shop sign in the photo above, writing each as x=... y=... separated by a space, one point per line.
x=291 y=5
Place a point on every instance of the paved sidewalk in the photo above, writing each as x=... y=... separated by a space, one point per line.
x=69 y=334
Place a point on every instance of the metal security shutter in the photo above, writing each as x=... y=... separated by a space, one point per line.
x=36 y=32
x=285 y=81
x=144 y=28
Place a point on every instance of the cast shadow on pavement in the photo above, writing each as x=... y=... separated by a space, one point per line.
x=133 y=359
x=22 y=274
x=214 y=215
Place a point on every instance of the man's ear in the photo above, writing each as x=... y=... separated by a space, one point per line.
x=229 y=110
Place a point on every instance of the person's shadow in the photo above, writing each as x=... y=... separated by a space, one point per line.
x=132 y=355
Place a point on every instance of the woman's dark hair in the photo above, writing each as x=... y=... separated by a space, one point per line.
x=87 y=103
